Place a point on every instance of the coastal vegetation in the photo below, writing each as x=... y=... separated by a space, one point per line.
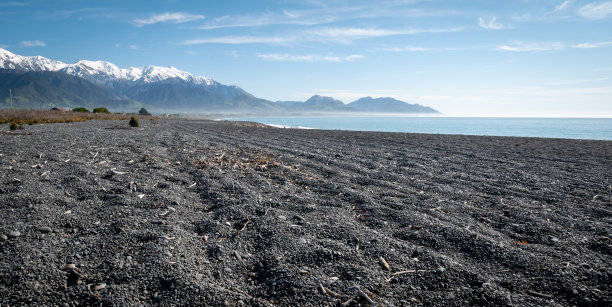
x=26 y=116
x=81 y=110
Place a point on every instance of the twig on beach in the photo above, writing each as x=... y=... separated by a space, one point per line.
x=384 y=263
x=192 y=185
x=269 y=207
x=94 y=157
x=350 y=300
x=364 y=295
x=538 y=294
x=404 y=272
x=243 y=227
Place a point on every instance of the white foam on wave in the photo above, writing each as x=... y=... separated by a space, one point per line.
x=287 y=127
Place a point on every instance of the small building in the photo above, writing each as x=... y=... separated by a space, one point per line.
x=59 y=109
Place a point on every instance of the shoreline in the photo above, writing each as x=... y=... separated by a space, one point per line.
x=559 y=128
x=189 y=211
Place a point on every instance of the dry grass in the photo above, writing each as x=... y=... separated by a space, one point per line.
x=24 y=116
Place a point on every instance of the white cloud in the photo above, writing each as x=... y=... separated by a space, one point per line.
x=334 y=35
x=35 y=43
x=564 y=5
x=403 y=49
x=236 y=40
x=277 y=57
x=596 y=10
x=492 y=24
x=326 y=12
x=265 y=20
x=191 y=52
x=347 y=35
x=525 y=47
x=167 y=17
x=134 y=47
x=592 y=45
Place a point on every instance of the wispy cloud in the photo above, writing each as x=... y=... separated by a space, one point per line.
x=526 y=47
x=592 y=45
x=167 y=17
x=491 y=24
x=34 y=43
x=266 y=19
x=561 y=7
x=319 y=12
x=596 y=10
x=236 y=40
x=403 y=49
x=550 y=46
x=347 y=35
x=325 y=35
x=277 y=57
x=134 y=47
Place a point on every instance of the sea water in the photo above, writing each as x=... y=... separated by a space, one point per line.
x=572 y=128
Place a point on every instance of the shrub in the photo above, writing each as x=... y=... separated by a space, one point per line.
x=144 y=111
x=80 y=109
x=101 y=110
x=14 y=126
x=134 y=122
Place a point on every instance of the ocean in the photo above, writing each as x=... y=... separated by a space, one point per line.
x=571 y=128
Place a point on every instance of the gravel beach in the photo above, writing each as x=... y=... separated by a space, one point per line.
x=197 y=212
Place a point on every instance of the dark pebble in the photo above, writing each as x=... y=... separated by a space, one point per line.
x=440 y=270
x=297 y=217
x=13 y=234
x=44 y=229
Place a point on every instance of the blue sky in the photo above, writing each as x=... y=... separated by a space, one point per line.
x=464 y=58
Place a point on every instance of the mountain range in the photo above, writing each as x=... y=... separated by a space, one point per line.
x=38 y=82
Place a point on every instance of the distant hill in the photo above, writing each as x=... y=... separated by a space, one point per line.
x=46 y=89
x=39 y=82
x=388 y=105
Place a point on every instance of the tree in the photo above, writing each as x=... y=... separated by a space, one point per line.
x=80 y=109
x=101 y=110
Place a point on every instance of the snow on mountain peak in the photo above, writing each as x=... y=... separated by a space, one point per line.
x=99 y=71
x=9 y=60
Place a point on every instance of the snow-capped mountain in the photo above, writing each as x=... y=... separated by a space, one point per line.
x=34 y=81
x=9 y=60
x=162 y=87
x=99 y=72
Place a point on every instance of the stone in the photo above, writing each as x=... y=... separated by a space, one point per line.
x=3 y=238
x=299 y=218
x=440 y=270
x=99 y=286
x=330 y=281
x=553 y=240
x=44 y=229
x=14 y=234
x=301 y=241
